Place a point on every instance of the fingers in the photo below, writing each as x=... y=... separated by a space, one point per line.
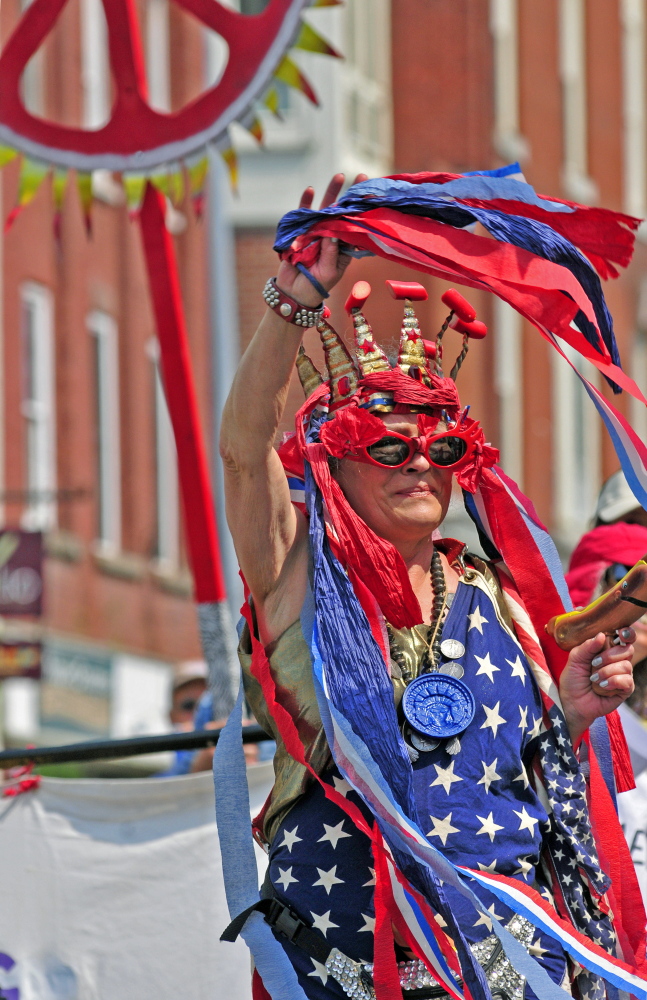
x=307 y=198
x=360 y=178
x=613 y=680
x=624 y=637
x=333 y=189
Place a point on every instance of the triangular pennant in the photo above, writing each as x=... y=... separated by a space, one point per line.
x=197 y=174
x=327 y=3
x=289 y=73
x=59 y=186
x=256 y=129
x=134 y=185
x=230 y=157
x=7 y=154
x=272 y=102
x=311 y=41
x=84 y=186
x=32 y=175
x=170 y=183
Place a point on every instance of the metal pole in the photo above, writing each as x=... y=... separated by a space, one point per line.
x=115 y=749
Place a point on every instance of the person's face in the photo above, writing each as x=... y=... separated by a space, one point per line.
x=185 y=700
x=401 y=505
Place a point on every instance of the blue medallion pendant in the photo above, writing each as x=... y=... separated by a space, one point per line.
x=436 y=706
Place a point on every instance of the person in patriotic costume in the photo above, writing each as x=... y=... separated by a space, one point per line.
x=442 y=817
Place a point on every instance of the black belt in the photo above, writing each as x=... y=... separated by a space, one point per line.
x=285 y=921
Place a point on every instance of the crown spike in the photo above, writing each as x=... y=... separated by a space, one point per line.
x=309 y=376
x=342 y=374
x=412 y=357
x=370 y=357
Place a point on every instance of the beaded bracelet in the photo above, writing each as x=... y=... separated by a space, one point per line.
x=288 y=308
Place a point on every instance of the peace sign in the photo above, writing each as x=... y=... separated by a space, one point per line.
x=138 y=137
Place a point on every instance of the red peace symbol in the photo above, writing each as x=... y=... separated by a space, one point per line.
x=137 y=137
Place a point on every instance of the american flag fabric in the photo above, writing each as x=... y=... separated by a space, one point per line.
x=480 y=807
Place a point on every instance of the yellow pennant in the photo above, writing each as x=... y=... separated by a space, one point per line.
x=231 y=161
x=197 y=174
x=84 y=186
x=171 y=184
x=59 y=186
x=134 y=185
x=7 y=154
x=289 y=73
x=311 y=41
x=327 y=3
x=32 y=175
x=272 y=101
x=256 y=129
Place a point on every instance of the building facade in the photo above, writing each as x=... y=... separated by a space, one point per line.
x=86 y=452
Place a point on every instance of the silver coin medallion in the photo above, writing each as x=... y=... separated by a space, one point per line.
x=422 y=743
x=452 y=649
x=452 y=668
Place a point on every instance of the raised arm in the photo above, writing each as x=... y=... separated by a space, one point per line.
x=270 y=536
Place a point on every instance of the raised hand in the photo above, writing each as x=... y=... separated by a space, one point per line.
x=597 y=678
x=330 y=266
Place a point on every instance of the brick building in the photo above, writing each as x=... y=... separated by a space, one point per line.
x=87 y=449
x=425 y=85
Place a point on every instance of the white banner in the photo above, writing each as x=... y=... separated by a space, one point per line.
x=632 y=806
x=112 y=890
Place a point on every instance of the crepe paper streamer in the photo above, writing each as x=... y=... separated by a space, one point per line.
x=311 y=41
x=289 y=73
x=134 y=185
x=84 y=186
x=182 y=402
x=239 y=869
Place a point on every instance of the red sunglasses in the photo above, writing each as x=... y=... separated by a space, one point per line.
x=447 y=450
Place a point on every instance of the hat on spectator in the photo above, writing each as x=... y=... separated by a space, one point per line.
x=189 y=670
x=615 y=499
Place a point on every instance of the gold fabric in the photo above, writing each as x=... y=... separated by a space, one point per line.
x=291 y=668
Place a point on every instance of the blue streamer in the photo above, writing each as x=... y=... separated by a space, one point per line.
x=239 y=861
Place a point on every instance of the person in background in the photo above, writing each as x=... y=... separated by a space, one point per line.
x=600 y=559
x=189 y=684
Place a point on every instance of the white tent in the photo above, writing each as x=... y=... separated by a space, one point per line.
x=112 y=890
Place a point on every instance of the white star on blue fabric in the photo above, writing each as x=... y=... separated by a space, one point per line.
x=286 y=878
x=327 y=879
x=322 y=922
x=477 y=620
x=486 y=666
x=290 y=839
x=518 y=669
x=333 y=834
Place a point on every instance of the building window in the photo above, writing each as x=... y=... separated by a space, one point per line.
x=168 y=509
x=576 y=449
x=32 y=89
x=508 y=141
x=632 y=14
x=95 y=65
x=508 y=383
x=105 y=345
x=367 y=79
x=572 y=64
x=157 y=55
x=38 y=406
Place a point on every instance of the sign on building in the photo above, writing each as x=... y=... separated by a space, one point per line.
x=21 y=572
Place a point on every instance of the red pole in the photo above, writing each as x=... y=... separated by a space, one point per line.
x=195 y=483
